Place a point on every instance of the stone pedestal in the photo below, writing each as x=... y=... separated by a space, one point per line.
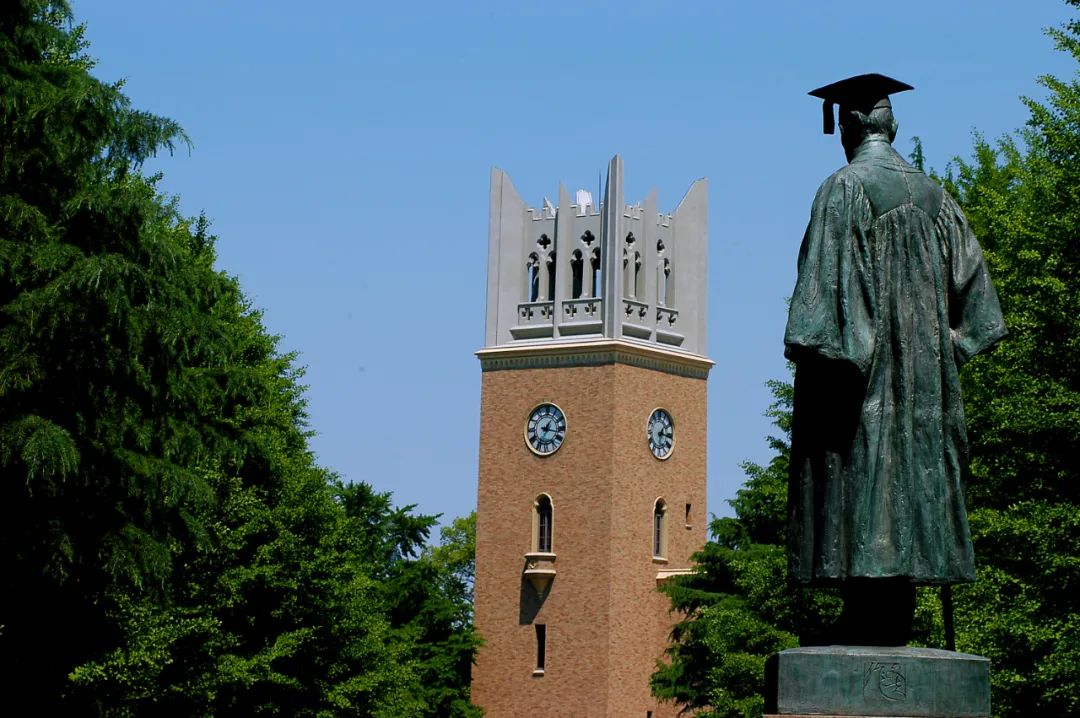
x=878 y=682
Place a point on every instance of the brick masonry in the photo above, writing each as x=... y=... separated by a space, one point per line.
x=606 y=623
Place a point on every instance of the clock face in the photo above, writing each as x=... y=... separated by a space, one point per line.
x=545 y=429
x=661 y=434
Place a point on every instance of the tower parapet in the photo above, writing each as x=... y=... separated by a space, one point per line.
x=575 y=271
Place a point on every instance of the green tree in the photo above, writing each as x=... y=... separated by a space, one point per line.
x=175 y=547
x=286 y=614
x=116 y=377
x=440 y=618
x=457 y=553
x=1023 y=400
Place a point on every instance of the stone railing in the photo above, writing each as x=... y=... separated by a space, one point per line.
x=535 y=320
x=535 y=312
x=635 y=310
x=666 y=317
x=580 y=310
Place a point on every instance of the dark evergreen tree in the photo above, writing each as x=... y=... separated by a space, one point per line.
x=115 y=376
x=169 y=546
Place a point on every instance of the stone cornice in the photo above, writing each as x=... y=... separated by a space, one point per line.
x=593 y=353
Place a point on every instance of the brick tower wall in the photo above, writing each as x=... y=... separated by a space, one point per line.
x=606 y=623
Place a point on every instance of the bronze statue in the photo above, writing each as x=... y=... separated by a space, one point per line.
x=892 y=297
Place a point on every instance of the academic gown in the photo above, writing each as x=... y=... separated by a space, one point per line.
x=892 y=296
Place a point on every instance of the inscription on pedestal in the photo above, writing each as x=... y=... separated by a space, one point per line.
x=864 y=681
x=885 y=680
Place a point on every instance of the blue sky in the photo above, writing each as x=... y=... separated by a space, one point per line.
x=342 y=151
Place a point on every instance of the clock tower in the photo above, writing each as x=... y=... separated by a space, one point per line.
x=592 y=447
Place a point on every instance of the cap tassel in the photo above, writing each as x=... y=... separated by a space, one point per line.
x=828 y=121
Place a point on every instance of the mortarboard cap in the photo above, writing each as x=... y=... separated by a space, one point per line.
x=861 y=91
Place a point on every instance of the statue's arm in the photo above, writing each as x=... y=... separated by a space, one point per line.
x=975 y=317
x=830 y=316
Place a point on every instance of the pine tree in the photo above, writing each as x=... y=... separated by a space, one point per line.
x=175 y=548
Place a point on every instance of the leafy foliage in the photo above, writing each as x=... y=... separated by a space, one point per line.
x=284 y=616
x=1021 y=195
x=441 y=603
x=175 y=547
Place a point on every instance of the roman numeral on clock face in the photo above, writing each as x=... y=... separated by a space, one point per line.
x=661 y=434
x=545 y=429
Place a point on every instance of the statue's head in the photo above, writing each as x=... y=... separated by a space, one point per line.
x=858 y=124
x=865 y=109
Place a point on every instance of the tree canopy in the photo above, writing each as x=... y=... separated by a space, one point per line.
x=1021 y=196
x=173 y=546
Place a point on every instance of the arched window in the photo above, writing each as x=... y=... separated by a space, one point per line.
x=577 y=266
x=595 y=262
x=663 y=286
x=669 y=286
x=637 y=275
x=550 y=277
x=631 y=264
x=627 y=286
x=532 y=272
x=659 y=529
x=542 y=520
